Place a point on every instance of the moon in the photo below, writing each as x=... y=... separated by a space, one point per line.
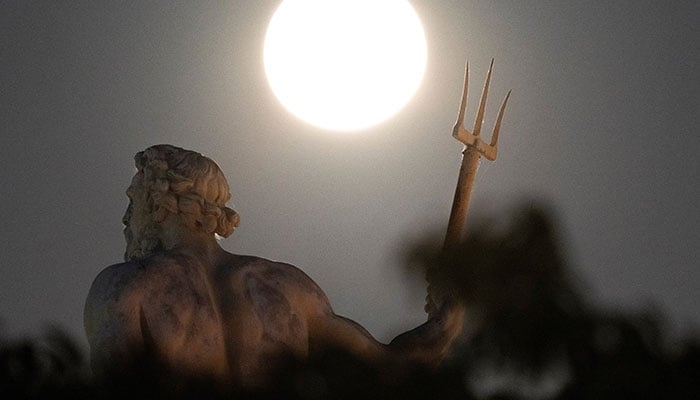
x=344 y=65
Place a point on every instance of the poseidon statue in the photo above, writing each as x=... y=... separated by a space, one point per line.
x=181 y=302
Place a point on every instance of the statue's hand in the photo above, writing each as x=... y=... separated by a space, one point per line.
x=448 y=318
x=444 y=307
x=440 y=290
x=431 y=304
x=429 y=343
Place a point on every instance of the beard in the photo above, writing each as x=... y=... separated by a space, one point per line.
x=143 y=243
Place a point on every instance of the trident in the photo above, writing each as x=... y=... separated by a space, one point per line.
x=474 y=148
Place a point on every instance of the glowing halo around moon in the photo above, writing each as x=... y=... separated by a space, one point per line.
x=344 y=65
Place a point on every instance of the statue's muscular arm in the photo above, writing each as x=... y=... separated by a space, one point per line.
x=282 y=293
x=424 y=346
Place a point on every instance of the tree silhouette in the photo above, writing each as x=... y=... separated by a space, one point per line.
x=531 y=332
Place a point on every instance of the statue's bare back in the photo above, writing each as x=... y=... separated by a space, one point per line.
x=233 y=320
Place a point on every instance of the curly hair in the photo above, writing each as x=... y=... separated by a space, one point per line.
x=186 y=183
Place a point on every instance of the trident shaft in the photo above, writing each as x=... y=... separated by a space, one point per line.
x=474 y=148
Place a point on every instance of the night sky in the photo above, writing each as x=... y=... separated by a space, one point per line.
x=602 y=125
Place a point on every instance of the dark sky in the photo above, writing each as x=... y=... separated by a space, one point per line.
x=602 y=123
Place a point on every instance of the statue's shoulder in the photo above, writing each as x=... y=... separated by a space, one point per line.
x=264 y=266
x=111 y=283
x=121 y=288
x=118 y=280
x=257 y=269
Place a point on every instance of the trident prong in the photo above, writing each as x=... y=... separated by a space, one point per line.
x=474 y=147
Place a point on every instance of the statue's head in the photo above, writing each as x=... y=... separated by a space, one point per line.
x=171 y=182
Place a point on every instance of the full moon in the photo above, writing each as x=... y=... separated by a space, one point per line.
x=344 y=65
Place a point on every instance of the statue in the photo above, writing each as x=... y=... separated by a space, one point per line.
x=182 y=303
